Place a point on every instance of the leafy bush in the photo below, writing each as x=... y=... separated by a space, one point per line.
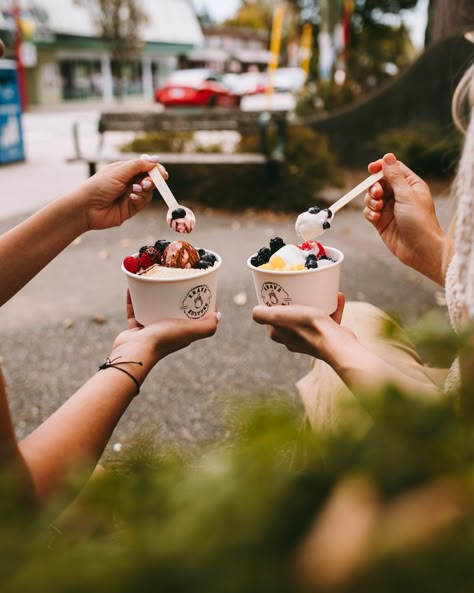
x=277 y=509
x=428 y=150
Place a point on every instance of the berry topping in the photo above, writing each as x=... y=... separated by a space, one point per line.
x=210 y=258
x=314 y=210
x=154 y=254
x=202 y=265
x=311 y=264
x=311 y=257
x=201 y=252
x=326 y=225
x=264 y=254
x=145 y=260
x=143 y=249
x=161 y=245
x=178 y=213
x=131 y=264
x=276 y=243
x=255 y=261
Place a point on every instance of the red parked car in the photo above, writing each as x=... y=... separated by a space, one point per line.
x=196 y=87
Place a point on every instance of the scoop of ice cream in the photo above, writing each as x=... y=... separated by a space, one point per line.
x=180 y=254
x=181 y=219
x=313 y=223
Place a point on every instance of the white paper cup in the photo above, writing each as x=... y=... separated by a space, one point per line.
x=316 y=288
x=187 y=297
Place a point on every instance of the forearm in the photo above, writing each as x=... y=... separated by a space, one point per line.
x=30 y=246
x=75 y=436
x=428 y=256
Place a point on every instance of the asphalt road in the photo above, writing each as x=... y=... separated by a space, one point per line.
x=60 y=327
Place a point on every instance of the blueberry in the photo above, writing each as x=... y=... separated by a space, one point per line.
x=264 y=254
x=311 y=264
x=201 y=265
x=314 y=210
x=142 y=249
x=311 y=257
x=210 y=258
x=276 y=243
x=178 y=213
x=255 y=261
x=201 y=252
x=323 y=257
x=161 y=245
x=328 y=210
x=326 y=225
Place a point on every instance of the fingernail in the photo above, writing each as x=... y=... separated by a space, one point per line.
x=390 y=159
x=218 y=315
x=154 y=158
x=133 y=197
x=147 y=185
x=137 y=188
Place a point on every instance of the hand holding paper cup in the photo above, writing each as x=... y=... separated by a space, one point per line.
x=172 y=279
x=306 y=274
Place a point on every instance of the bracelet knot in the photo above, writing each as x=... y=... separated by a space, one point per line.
x=112 y=364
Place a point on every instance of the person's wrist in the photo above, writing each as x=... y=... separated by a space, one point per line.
x=77 y=210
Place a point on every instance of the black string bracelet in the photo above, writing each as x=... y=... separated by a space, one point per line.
x=111 y=364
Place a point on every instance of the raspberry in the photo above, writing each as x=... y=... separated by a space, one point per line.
x=131 y=264
x=145 y=260
x=154 y=254
x=310 y=245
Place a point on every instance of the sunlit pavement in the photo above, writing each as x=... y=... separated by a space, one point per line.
x=59 y=328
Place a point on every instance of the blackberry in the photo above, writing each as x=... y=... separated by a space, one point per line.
x=161 y=245
x=201 y=265
x=276 y=243
x=310 y=264
x=314 y=210
x=326 y=225
x=142 y=249
x=264 y=254
x=210 y=258
x=178 y=213
x=328 y=210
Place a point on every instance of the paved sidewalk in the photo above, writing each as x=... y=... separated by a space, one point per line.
x=60 y=327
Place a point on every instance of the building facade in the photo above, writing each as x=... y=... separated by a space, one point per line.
x=65 y=58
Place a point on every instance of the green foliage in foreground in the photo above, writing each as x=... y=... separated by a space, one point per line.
x=276 y=509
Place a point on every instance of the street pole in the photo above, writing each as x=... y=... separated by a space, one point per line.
x=21 y=72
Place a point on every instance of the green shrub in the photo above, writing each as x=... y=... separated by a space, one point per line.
x=288 y=186
x=427 y=150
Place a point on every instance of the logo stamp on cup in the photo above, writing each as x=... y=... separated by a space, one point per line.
x=197 y=301
x=274 y=294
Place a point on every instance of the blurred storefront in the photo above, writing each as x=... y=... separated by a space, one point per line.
x=66 y=58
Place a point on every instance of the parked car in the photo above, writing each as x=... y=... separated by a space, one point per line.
x=247 y=83
x=199 y=87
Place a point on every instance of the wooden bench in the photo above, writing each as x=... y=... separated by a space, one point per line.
x=191 y=120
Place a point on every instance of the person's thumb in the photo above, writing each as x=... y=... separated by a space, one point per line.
x=393 y=173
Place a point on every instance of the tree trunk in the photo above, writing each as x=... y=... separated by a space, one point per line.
x=447 y=18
